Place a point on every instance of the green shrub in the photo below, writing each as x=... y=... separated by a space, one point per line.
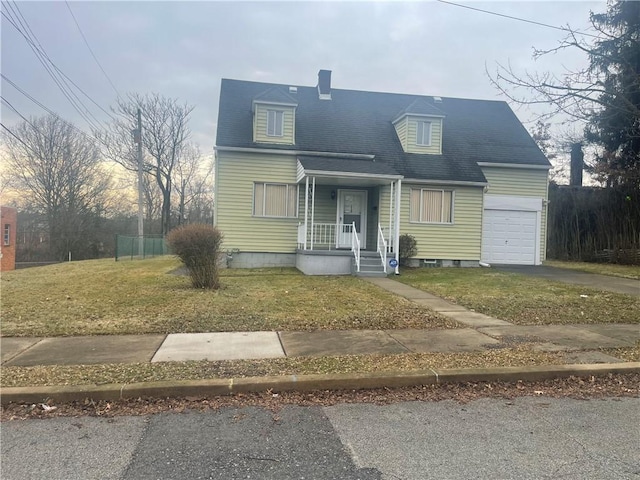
x=408 y=247
x=198 y=246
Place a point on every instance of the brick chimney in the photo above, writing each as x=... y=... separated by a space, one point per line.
x=324 y=84
x=577 y=165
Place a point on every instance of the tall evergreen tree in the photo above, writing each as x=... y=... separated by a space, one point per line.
x=605 y=95
x=615 y=126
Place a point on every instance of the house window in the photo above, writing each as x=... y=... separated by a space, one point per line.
x=431 y=206
x=275 y=123
x=275 y=200
x=424 y=134
x=7 y=234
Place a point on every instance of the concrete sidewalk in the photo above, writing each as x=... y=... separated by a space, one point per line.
x=580 y=342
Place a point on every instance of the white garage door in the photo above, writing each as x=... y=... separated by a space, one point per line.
x=509 y=236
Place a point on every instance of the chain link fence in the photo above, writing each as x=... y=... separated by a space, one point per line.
x=130 y=247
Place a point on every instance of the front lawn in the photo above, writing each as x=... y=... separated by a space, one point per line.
x=143 y=296
x=523 y=300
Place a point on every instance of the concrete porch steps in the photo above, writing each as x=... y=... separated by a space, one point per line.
x=370 y=265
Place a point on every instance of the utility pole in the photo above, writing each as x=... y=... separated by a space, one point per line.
x=137 y=136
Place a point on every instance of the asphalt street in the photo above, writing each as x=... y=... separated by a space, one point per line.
x=523 y=438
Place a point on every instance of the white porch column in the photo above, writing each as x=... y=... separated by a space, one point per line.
x=391 y=234
x=313 y=207
x=306 y=210
x=397 y=226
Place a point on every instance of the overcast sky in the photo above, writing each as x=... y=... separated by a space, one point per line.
x=183 y=49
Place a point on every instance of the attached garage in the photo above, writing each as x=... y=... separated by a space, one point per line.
x=511 y=228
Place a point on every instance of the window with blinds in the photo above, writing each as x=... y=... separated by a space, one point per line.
x=275 y=200
x=431 y=206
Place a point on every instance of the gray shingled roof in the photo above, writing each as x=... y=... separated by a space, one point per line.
x=358 y=122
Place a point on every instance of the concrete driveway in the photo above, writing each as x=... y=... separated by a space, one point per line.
x=602 y=282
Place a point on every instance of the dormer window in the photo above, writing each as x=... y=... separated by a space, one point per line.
x=423 y=136
x=275 y=123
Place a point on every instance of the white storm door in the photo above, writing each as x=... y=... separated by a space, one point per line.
x=352 y=208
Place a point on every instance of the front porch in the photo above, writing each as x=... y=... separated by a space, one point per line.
x=350 y=218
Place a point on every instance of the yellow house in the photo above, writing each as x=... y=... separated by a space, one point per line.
x=327 y=179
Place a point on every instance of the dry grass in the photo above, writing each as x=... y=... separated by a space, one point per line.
x=628 y=354
x=611 y=269
x=148 y=372
x=523 y=300
x=105 y=297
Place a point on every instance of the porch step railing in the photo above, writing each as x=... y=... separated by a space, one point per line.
x=382 y=248
x=355 y=246
x=388 y=237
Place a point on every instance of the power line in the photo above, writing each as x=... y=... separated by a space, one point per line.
x=60 y=71
x=42 y=57
x=564 y=29
x=68 y=89
x=90 y=50
x=16 y=137
x=45 y=108
x=58 y=76
x=16 y=110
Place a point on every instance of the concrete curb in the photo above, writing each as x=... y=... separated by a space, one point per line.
x=306 y=383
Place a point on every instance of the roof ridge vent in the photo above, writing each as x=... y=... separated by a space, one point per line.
x=293 y=89
x=437 y=99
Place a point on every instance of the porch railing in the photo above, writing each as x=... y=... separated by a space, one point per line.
x=325 y=235
x=355 y=246
x=382 y=248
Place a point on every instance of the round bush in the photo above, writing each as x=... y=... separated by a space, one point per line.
x=198 y=246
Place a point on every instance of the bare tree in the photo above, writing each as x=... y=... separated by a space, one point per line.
x=165 y=133
x=194 y=179
x=605 y=96
x=58 y=171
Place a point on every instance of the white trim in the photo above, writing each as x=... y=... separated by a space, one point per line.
x=313 y=208
x=512 y=202
x=275 y=151
x=306 y=211
x=216 y=182
x=271 y=102
x=514 y=165
x=327 y=173
x=445 y=182
x=396 y=246
x=363 y=217
x=422 y=115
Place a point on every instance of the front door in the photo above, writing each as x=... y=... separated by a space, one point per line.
x=352 y=208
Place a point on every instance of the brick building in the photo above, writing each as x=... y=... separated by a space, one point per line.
x=8 y=243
